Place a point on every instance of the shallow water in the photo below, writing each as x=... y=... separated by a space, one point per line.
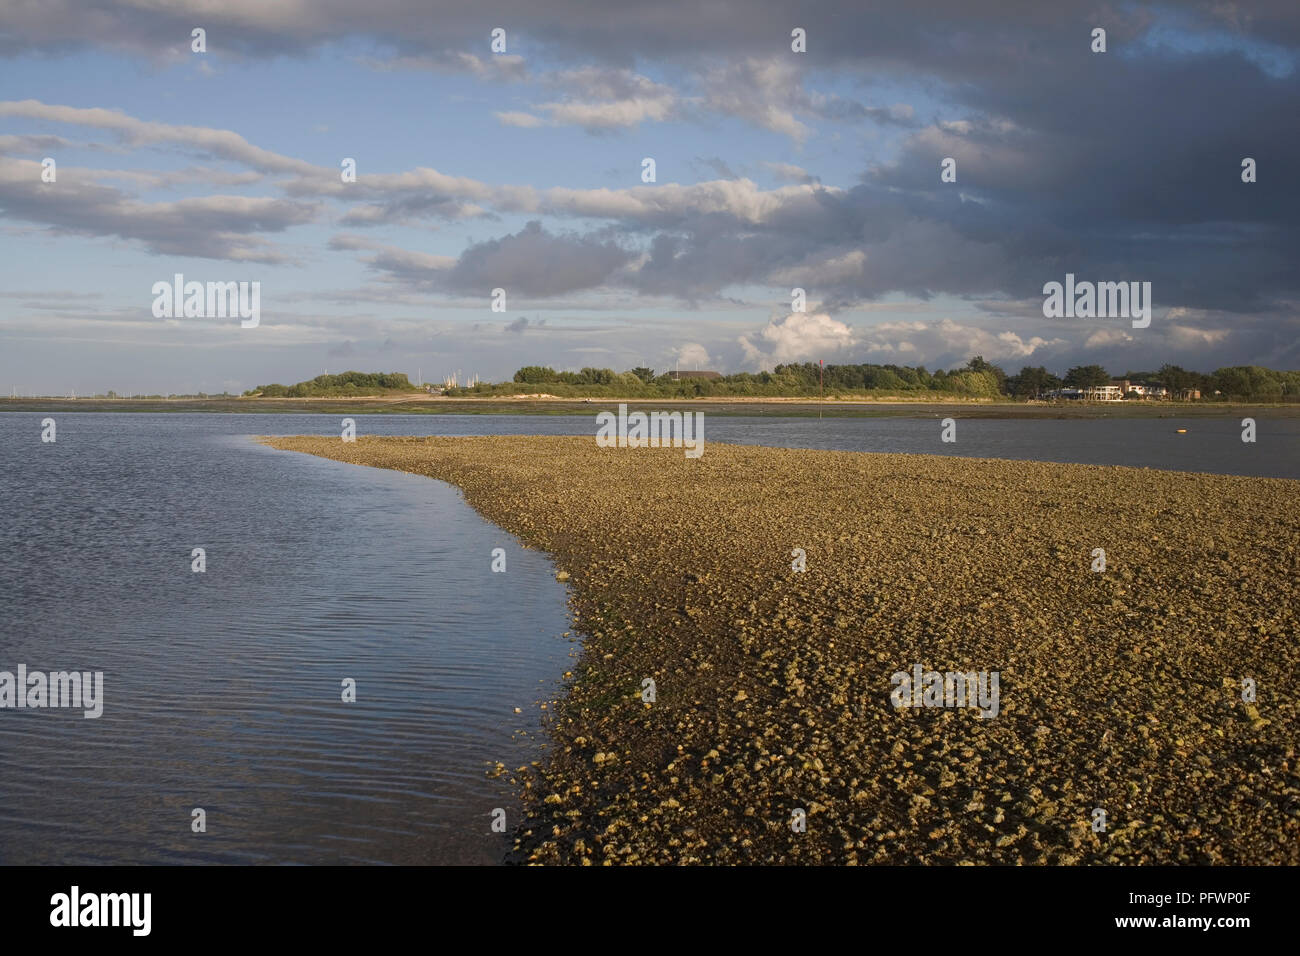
x=1210 y=444
x=223 y=689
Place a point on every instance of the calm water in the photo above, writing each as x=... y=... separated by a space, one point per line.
x=1210 y=444
x=222 y=689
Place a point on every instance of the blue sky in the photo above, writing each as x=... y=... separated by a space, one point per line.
x=522 y=171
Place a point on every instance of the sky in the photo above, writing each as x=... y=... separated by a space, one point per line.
x=522 y=169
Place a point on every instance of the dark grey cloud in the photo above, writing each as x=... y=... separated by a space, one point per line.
x=205 y=141
x=534 y=262
x=1117 y=167
x=212 y=227
x=521 y=325
x=1123 y=165
x=1114 y=164
x=414 y=270
x=952 y=38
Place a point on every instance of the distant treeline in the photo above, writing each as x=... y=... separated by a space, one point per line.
x=346 y=384
x=976 y=379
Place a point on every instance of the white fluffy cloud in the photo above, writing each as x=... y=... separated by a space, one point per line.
x=693 y=356
x=599 y=99
x=948 y=342
x=796 y=337
x=763 y=92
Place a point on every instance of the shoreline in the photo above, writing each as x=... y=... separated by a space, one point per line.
x=1120 y=690
x=721 y=406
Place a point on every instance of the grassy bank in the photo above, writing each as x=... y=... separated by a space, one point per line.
x=1120 y=690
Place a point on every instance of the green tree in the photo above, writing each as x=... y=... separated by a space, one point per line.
x=1176 y=378
x=966 y=382
x=977 y=364
x=1087 y=376
x=537 y=375
x=1032 y=382
x=628 y=382
x=1249 y=382
x=595 y=376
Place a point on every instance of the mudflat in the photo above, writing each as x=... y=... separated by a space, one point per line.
x=1160 y=690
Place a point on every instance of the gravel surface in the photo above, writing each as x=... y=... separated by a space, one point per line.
x=1119 y=690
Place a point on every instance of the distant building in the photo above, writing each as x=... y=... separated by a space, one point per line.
x=1097 y=393
x=683 y=376
x=1104 y=393
x=1142 y=389
x=1119 y=389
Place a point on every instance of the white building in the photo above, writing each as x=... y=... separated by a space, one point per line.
x=1142 y=389
x=1098 y=393
x=1104 y=393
